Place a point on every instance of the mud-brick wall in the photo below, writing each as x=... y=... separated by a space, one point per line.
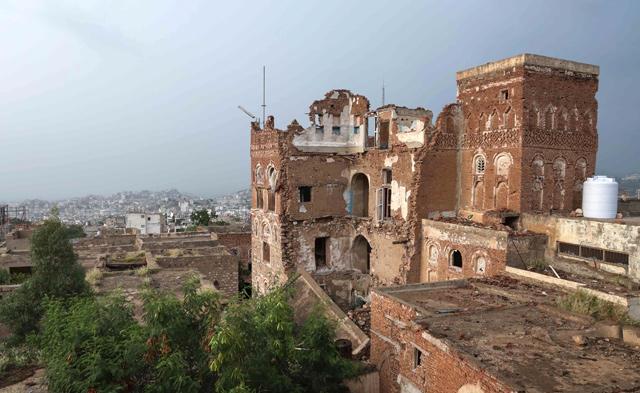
x=393 y=341
x=608 y=235
x=221 y=270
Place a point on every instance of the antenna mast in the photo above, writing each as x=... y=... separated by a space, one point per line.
x=264 y=104
x=383 y=92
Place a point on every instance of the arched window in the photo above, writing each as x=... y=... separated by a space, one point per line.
x=559 y=168
x=479 y=165
x=272 y=176
x=455 y=259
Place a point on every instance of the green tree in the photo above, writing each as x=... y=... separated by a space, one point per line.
x=201 y=217
x=258 y=348
x=56 y=274
x=94 y=344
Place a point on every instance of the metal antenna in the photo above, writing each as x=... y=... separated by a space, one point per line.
x=251 y=115
x=383 y=92
x=264 y=103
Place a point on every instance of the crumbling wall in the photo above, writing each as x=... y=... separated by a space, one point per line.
x=338 y=124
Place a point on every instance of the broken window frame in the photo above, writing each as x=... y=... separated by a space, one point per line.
x=383 y=203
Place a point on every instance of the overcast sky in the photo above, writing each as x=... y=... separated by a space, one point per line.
x=105 y=96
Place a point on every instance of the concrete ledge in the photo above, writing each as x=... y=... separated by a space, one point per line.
x=531 y=60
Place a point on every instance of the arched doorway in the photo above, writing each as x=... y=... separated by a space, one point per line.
x=361 y=254
x=360 y=195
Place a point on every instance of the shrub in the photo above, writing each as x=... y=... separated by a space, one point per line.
x=91 y=344
x=94 y=276
x=5 y=277
x=94 y=344
x=257 y=347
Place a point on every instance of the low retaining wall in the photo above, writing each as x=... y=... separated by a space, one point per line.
x=221 y=270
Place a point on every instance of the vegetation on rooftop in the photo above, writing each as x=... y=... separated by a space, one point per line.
x=582 y=302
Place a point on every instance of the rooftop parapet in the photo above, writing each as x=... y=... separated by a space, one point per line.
x=527 y=59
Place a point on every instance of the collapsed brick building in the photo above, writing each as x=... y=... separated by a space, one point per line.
x=352 y=197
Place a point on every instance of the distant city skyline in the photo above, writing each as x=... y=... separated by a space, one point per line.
x=101 y=97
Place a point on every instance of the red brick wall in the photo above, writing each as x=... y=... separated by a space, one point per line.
x=443 y=370
x=523 y=127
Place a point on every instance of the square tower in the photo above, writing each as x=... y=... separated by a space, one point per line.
x=529 y=138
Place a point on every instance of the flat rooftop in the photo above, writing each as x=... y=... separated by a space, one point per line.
x=530 y=60
x=512 y=329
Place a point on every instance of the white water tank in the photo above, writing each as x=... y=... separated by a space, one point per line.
x=600 y=197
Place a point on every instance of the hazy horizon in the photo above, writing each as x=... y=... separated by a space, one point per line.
x=102 y=97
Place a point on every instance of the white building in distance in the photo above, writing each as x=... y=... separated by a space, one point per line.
x=152 y=223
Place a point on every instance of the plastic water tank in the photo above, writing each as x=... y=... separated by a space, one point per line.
x=600 y=197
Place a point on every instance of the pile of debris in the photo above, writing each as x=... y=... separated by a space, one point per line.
x=362 y=317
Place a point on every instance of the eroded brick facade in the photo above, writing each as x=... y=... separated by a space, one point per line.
x=345 y=198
